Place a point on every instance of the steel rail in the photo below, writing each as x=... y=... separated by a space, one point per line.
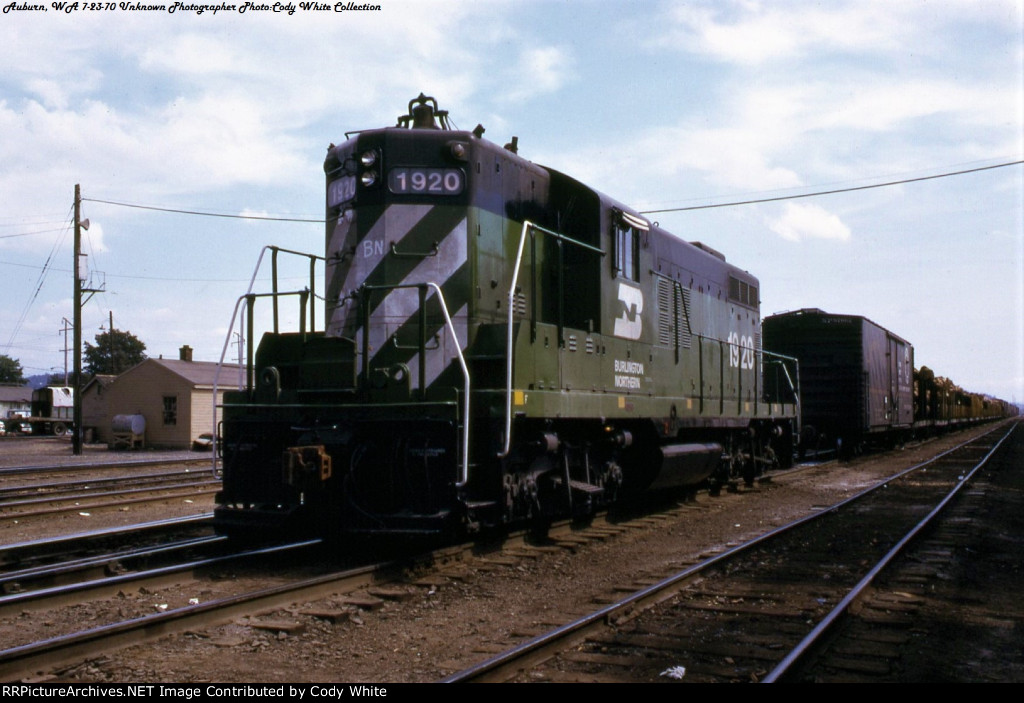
x=37 y=546
x=109 y=504
x=51 y=571
x=104 y=465
x=66 y=495
x=830 y=620
x=58 y=487
x=46 y=598
x=28 y=659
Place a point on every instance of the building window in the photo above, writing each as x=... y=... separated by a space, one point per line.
x=170 y=410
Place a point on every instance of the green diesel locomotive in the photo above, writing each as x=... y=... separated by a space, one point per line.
x=501 y=344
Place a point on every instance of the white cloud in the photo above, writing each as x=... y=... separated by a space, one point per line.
x=92 y=239
x=706 y=99
x=750 y=33
x=538 y=71
x=801 y=221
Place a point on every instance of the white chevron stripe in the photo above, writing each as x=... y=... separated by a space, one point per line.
x=395 y=308
x=439 y=359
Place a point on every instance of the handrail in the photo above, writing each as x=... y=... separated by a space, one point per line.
x=793 y=386
x=312 y=279
x=464 y=471
x=231 y=326
x=527 y=225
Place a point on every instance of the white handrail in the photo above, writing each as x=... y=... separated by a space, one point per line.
x=527 y=225
x=507 y=442
x=224 y=350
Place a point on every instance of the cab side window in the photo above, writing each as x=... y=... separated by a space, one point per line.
x=627 y=251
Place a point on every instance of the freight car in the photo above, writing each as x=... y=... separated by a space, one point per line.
x=859 y=387
x=856 y=378
x=939 y=404
x=503 y=344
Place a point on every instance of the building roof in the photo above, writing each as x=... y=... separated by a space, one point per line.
x=199 y=373
x=15 y=394
x=101 y=379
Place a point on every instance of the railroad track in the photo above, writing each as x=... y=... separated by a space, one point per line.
x=80 y=464
x=31 y=658
x=947 y=609
x=18 y=500
x=51 y=498
x=54 y=549
x=26 y=569
x=755 y=611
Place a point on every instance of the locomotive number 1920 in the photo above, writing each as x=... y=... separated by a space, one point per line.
x=741 y=351
x=428 y=181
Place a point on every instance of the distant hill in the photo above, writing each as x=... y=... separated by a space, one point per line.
x=39 y=380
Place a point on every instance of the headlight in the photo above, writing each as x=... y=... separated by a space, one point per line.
x=368 y=158
x=368 y=178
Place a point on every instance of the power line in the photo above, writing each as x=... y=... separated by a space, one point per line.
x=23 y=223
x=25 y=234
x=204 y=214
x=837 y=190
x=39 y=286
x=645 y=212
x=179 y=279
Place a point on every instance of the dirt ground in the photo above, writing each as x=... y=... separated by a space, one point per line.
x=56 y=452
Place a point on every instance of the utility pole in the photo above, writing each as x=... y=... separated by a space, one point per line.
x=110 y=336
x=67 y=326
x=241 y=360
x=80 y=271
x=76 y=435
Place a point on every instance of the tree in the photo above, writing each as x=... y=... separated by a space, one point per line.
x=58 y=379
x=11 y=371
x=115 y=352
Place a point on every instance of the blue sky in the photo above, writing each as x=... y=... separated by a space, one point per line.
x=659 y=104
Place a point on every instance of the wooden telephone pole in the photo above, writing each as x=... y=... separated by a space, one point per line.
x=80 y=276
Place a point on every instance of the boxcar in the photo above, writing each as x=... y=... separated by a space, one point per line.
x=856 y=377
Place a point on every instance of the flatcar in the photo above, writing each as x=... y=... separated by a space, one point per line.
x=940 y=404
x=502 y=344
